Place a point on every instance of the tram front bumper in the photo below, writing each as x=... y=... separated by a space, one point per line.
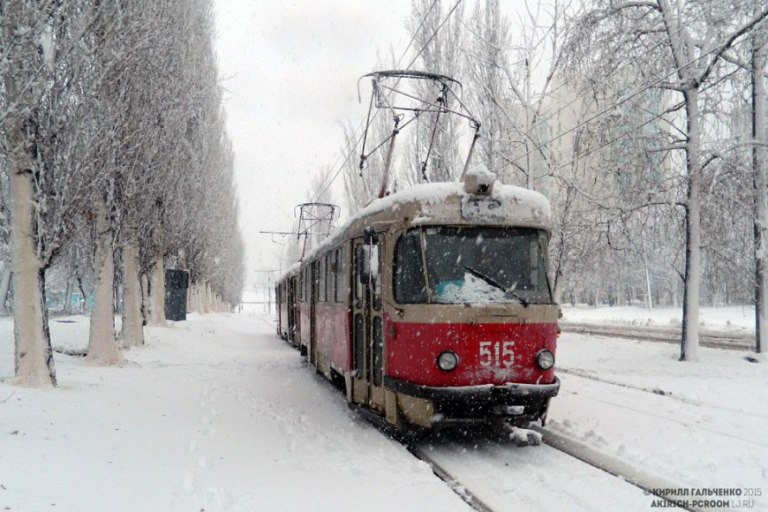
x=524 y=402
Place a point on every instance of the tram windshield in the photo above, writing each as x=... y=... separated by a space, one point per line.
x=472 y=265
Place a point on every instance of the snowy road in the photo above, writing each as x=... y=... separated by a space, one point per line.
x=215 y=414
x=218 y=414
x=511 y=478
x=700 y=425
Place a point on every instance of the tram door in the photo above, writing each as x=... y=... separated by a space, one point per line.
x=367 y=330
x=291 y=301
x=313 y=292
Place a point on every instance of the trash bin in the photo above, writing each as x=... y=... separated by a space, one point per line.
x=176 y=285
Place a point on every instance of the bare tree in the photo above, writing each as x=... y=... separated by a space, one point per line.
x=437 y=37
x=760 y=182
x=682 y=44
x=111 y=116
x=25 y=45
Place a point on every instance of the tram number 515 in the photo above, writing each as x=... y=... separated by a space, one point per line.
x=497 y=354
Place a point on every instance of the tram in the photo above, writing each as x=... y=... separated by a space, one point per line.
x=433 y=306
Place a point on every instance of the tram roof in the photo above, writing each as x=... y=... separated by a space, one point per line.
x=445 y=203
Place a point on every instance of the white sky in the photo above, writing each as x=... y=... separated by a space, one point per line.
x=290 y=71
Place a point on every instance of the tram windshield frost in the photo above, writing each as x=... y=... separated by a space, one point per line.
x=472 y=265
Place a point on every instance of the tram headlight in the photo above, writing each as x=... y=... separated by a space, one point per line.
x=447 y=361
x=545 y=359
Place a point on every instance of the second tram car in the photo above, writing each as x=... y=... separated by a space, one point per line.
x=433 y=306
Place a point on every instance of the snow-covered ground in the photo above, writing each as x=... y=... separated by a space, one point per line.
x=739 y=319
x=217 y=414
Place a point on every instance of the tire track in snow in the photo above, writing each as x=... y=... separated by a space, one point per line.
x=675 y=418
x=204 y=497
x=586 y=374
x=496 y=476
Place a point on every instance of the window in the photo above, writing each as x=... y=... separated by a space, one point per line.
x=409 y=269
x=337 y=275
x=472 y=265
x=321 y=280
x=358 y=284
x=330 y=278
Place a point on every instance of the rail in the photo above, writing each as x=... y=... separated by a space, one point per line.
x=708 y=338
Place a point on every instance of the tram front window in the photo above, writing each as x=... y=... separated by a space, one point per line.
x=472 y=265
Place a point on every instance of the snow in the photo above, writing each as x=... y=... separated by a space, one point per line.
x=469 y=289
x=739 y=319
x=217 y=413
x=701 y=424
x=527 y=207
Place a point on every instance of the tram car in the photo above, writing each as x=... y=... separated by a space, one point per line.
x=433 y=306
x=287 y=310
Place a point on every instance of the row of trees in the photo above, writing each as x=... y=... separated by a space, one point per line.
x=642 y=121
x=112 y=149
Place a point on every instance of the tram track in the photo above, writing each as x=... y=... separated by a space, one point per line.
x=714 y=339
x=446 y=476
x=481 y=456
x=651 y=486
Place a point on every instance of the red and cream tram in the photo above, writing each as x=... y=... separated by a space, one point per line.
x=433 y=306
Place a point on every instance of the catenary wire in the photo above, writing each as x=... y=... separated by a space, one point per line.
x=424 y=47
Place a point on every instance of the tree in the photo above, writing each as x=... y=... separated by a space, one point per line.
x=361 y=185
x=682 y=44
x=760 y=182
x=437 y=36
x=111 y=117
x=25 y=45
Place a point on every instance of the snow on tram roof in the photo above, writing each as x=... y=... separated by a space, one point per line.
x=504 y=204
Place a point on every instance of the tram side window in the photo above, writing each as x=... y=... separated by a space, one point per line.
x=358 y=284
x=409 y=270
x=330 y=281
x=321 y=279
x=337 y=275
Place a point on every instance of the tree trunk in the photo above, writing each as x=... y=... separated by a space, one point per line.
x=102 y=346
x=132 y=330
x=84 y=303
x=146 y=303
x=157 y=294
x=689 y=346
x=649 y=297
x=191 y=298
x=34 y=357
x=67 y=297
x=760 y=177
x=207 y=298
x=5 y=285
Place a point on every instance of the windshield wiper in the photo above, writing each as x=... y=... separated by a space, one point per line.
x=491 y=281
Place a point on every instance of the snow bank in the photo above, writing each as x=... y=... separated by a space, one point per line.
x=217 y=413
x=214 y=414
x=701 y=424
x=729 y=318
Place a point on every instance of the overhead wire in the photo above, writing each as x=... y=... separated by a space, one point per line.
x=623 y=100
x=613 y=140
x=410 y=64
x=578 y=95
x=615 y=70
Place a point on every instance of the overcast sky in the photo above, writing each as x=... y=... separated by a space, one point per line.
x=290 y=71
